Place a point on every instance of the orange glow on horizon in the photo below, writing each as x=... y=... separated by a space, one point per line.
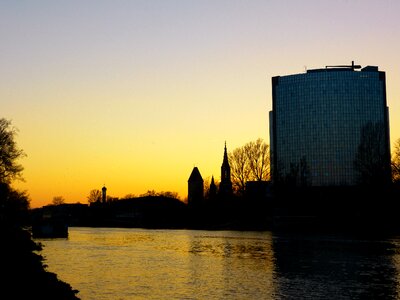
x=135 y=95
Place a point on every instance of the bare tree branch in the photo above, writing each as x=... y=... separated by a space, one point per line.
x=371 y=160
x=94 y=196
x=396 y=162
x=249 y=162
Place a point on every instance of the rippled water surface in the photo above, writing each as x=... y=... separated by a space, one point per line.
x=116 y=263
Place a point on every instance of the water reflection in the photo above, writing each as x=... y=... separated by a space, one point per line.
x=105 y=263
x=331 y=267
x=233 y=245
x=232 y=265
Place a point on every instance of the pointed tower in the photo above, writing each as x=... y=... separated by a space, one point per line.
x=225 y=187
x=104 y=194
x=213 y=189
x=195 y=187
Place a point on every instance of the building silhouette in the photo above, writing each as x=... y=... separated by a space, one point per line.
x=195 y=188
x=104 y=194
x=213 y=190
x=322 y=119
x=225 y=186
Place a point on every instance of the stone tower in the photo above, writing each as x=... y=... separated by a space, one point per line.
x=195 y=188
x=104 y=194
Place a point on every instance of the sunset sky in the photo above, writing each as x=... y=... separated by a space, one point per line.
x=134 y=94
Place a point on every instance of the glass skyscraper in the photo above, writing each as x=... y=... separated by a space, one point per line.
x=318 y=119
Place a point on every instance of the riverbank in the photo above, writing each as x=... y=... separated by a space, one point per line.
x=24 y=274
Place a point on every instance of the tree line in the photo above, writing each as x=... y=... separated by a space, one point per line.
x=251 y=162
x=95 y=196
x=14 y=204
x=21 y=265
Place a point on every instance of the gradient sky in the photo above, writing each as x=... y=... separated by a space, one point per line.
x=134 y=94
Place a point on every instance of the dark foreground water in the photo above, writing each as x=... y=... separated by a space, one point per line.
x=117 y=263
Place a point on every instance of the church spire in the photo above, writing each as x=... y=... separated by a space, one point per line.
x=225 y=161
x=225 y=187
x=213 y=189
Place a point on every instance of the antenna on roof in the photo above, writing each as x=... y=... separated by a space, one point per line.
x=352 y=66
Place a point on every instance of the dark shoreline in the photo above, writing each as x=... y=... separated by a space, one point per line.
x=24 y=271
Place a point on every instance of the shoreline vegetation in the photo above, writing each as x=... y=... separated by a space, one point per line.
x=24 y=274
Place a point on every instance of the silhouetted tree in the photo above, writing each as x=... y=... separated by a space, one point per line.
x=169 y=194
x=94 y=196
x=305 y=173
x=111 y=199
x=291 y=178
x=299 y=174
x=149 y=193
x=9 y=153
x=129 y=196
x=249 y=163
x=371 y=160
x=396 y=162
x=240 y=169
x=278 y=174
x=13 y=204
x=258 y=156
x=58 y=200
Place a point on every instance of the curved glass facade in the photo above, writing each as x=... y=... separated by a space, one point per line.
x=317 y=119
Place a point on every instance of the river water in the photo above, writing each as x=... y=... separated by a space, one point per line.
x=121 y=263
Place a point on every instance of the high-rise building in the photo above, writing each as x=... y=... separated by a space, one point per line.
x=327 y=125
